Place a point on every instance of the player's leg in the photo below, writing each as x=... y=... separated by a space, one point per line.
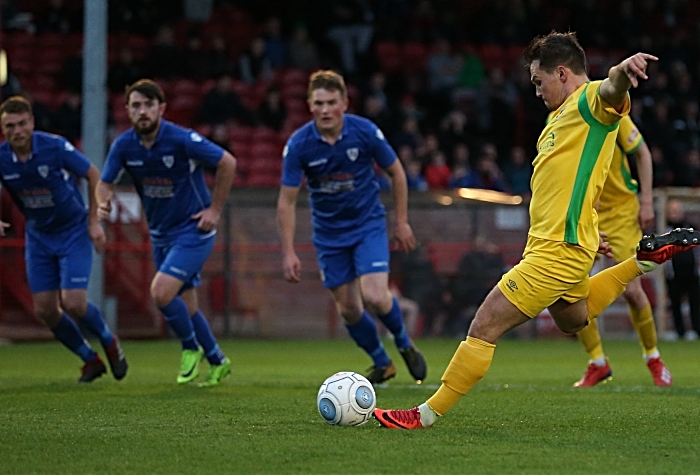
x=694 y=303
x=362 y=329
x=643 y=322
x=44 y=277
x=219 y=364
x=371 y=260
x=164 y=292
x=75 y=264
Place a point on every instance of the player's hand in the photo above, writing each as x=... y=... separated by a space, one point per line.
x=404 y=238
x=292 y=268
x=3 y=225
x=635 y=67
x=208 y=219
x=97 y=235
x=604 y=247
x=104 y=210
x=646 y=215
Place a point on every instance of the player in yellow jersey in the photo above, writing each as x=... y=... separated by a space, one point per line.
x=574 y=154
x=622 y=216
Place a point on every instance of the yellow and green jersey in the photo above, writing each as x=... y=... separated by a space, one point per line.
x=620 y=187
x=572 y=163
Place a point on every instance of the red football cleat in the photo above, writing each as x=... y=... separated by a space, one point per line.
x=659 y=371
x=594 y=374
x=399 y=419
x=661 y=248
x=92 y=370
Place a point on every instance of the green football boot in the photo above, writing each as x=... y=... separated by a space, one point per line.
x=216 y=373
x=189 y=365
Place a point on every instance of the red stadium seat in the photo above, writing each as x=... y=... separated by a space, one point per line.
x=493 y=56
x=264 y=135
x=414 y=56
x=294 y=76
x=389 y=56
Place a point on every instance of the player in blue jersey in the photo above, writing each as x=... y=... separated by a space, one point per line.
x=336 y=152
x=41 y=172
x=166 y=163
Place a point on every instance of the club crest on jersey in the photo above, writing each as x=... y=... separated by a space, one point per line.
x=43 y=170
x=353 y=153
x=168 y=160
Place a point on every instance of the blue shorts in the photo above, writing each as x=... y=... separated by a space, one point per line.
x=58 y=261
x=184 y=257
x=340 y=265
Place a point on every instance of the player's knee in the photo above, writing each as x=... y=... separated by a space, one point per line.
x=50 y=316
x=75 y=308
x=350 y=313
x=570 y=326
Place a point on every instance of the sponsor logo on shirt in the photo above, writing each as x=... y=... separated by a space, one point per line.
x=43 y=170
x=12 y=176
x=168 y=160
x=547 y=143
x=134 y=163
x=353 y=153
x=318 y=162
x=37 y=198
x=157 y=188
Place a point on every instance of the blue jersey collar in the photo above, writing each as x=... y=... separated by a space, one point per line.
x=35 y=146
x=318 y=135
x=163 y=124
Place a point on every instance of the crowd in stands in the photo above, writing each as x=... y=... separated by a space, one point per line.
x=444 y=79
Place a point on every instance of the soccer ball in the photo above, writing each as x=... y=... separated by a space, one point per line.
x=346 y=399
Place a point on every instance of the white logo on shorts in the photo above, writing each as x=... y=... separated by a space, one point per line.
x=177 y=271
x=380 y=264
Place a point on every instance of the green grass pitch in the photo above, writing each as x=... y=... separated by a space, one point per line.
x=523 y=417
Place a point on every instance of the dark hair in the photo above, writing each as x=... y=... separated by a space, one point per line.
x=327 y=79
x=557 y=49
x=148 y=88
x=16 y=105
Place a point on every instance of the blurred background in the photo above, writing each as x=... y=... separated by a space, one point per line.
x=444 y=80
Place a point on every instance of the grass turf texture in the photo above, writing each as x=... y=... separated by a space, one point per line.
x=523 y=417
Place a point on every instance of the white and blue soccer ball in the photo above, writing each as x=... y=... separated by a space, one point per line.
x=346 y=399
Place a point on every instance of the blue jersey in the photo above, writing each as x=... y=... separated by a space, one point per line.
x=168 y=177
x=46 y=187
x=342 y=184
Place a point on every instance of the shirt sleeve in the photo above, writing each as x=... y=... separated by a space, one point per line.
x=628 y=137
x=380 y=149
x=601 y=110
x=292 y=171
x=73 y=160
x=113 y=164
x=202 y=149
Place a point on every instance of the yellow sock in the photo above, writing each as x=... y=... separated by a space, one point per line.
x=590 y=338
x=643 y=322
x=469 y=364
x=608 y=285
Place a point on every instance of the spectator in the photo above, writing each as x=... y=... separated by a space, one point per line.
x=219 y=58
x=377 y=113
x=414 y=176
x=43 y=118
x=437 y=173
x=222 y=105
x=517 y=172
x=663 y=176
x=124 y=71
x=376 y=87
x=486 y=175
x=351 y=30
x=254 y=64
x=682 y=276
x=271 y=112
x=303 y=53
x=68 y=121
x=275 y=44
x=165 y=58
x=58 y=18
x=408 y=135
x=443 y=68
x=195 y=62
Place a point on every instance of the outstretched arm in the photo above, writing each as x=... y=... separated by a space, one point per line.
x=623 y=76
x=403 y=233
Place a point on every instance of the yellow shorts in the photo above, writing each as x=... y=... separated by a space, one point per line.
x=550 y=270
x=622 y=226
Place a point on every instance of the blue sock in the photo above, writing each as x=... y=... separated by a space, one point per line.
x=366 y=336
x=178 y=317
x=206 y=338
x=67 y=332
x=394 y=322
x=94 y=321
